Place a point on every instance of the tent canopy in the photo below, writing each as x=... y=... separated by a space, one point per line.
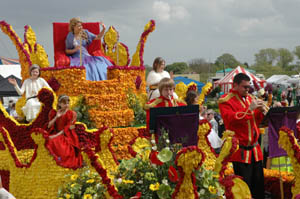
x=186 y=81
x=226 y=82
x=278 y=78
x=8 y=61
x=6 y=89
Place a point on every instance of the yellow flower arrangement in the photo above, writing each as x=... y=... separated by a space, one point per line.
x=212 y=189
x=128 y=181
x=90 y=181
x=74 y=177
x=87 y=196
x=154 y=187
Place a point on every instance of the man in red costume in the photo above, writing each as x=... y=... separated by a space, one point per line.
x=242 y=114
x=166 y=88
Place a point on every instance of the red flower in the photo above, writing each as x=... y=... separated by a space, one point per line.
x=173 y=176
x=137 y=196
x=154 y=159
x=138 y=82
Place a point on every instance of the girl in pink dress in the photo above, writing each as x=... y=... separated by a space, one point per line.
x=63 y=141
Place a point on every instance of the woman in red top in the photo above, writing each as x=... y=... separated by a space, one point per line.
x=63 y=141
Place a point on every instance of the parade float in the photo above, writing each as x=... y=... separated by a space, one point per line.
x=114 y=148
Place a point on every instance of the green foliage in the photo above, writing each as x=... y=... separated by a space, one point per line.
x=85 y=185
x=266 y=56
x=214 y=92
x=82 y=110
x=297 y=51
x=285 y=57
x=140 y=174
x=134 y=103
x=212 y=104
x=228 y=60
x=208 y=184
x=177 y=67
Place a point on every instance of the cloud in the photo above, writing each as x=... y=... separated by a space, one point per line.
x=166 y=12
x=162 y=10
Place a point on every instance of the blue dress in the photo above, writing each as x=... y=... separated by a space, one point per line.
x=95 y=66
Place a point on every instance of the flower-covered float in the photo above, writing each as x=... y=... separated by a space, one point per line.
x=29 y=171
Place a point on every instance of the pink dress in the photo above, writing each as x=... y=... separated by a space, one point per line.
x=65 y=148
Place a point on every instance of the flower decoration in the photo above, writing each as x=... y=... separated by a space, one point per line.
x=137 y=58
x=138 y=82
x=172 y=173
x=86 y=185
x=54 y=84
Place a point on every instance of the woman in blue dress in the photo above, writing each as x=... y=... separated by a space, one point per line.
x=95 y=66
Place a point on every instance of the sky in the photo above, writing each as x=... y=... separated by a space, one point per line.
x=185 y=29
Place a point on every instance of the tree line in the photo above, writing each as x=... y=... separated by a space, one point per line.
x=268 y=61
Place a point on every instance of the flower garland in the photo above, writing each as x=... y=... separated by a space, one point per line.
x=137 y=58
x=103 y=173
x=206 y=89
x=24 y=56
x=289 y=143
x=204 y=144
x=186 y=187
x=229 y=147
x=37 y=52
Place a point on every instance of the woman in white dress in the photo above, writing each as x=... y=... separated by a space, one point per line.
x=154 y=77
x=31 y=87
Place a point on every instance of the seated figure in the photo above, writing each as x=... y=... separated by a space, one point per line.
x=31 y=87
x=67 y=41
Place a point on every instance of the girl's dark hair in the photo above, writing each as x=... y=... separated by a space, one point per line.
x=190 y=97
x=62 y=98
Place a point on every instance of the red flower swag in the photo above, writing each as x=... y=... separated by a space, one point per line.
x=181 y=173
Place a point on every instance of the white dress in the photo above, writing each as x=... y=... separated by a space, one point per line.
x=4 y=194
x=31 y=89
x=154 y=78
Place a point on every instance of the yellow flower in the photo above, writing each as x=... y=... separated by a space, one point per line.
x=72 y=185
x=68 y=196
x=154 y=187
x=212 y=189
x=87 y=196
x=90 y=181
x=128 y=181
x=74 y=177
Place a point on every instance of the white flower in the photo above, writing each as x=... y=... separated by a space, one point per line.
x=165 y=181
x=168 y=148
x=153 y=141
x=140 y=182
x=119 y=180
x=167 y=141
x=202 y=191
x=154 y=148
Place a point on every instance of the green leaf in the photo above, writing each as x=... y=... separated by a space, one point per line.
x=165 y=155
x=164 y=191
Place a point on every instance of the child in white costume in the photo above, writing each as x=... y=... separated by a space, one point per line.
x=4 y=194
x=31 y=87
x=154 y=77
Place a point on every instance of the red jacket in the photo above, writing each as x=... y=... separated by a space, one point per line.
x=238 y=117
x=161 y=102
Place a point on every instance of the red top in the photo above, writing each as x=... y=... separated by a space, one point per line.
x=238 y=117
x=65 y=148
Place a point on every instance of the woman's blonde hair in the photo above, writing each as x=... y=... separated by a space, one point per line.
x=157 y=61
x=165 y=83
x=73 y=22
